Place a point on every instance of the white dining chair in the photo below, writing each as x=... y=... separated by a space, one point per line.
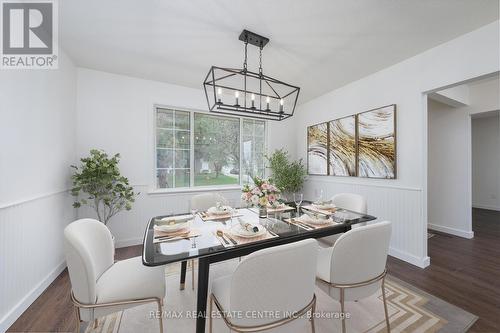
x=202 y=202
x=349 y=201
x=98 y=285
x=345 y=279
x=280 y=280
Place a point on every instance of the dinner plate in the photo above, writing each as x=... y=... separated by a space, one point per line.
x=172 y=226
x=223 y=210
x=323 y=206
x=310 y=220
x=239 y=231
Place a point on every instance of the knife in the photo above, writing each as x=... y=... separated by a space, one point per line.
x=232 y=240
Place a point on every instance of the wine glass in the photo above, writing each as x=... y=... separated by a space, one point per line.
x=321 y=197
x=297 y=198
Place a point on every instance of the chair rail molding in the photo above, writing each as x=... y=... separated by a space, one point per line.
x=30 y=262
x=399 y=204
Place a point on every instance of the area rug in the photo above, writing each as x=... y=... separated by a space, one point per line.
x=410 y=310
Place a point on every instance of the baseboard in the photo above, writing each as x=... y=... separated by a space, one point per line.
x=128 y=242
x=451 y=231
x=27 y=300
x=410 y=258
x=488 y=207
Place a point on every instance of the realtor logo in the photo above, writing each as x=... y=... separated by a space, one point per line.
x=29 y=34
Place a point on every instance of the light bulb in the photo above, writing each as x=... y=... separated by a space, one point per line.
x=253 y=97
x=236 y=94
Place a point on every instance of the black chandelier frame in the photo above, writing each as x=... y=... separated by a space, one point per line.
x=259 y=109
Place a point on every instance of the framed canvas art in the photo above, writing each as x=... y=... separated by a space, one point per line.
x=377 y=143
x=317 y=149
x=342 y=144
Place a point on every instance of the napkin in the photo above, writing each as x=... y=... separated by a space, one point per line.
x=176 y=219
x=248 y=226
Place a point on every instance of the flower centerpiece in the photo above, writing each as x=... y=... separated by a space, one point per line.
x=262 y=194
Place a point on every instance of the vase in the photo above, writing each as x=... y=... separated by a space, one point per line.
x=262 y=212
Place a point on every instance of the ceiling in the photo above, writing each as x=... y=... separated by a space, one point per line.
x=318 y=45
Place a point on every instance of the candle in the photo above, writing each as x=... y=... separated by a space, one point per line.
x=253 y=101
x=237 y=95
x=267 y=102
x=219 y=93
x=281 y=105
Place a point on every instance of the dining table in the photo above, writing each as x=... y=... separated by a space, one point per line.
x=282 y=226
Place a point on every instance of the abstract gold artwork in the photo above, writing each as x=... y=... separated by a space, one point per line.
x=342 y=158
x=377 y=143
x=317 y=149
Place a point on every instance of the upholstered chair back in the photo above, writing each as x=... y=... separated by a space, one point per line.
x=360 y=255
x=350 y=201
x=89 y=253
x=204 y=201
x=280 y=278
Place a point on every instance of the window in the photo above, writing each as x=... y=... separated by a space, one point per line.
x=198 y=149
x=253 y=146
x=216 y=150
x=173 y=136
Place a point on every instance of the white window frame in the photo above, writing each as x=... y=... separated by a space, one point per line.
x=154 y=186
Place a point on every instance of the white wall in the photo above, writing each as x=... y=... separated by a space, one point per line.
x=37 y=138
x=486 y=162
x=449 y=208
x=450 y=158
x=115 y=113
x=402 y=200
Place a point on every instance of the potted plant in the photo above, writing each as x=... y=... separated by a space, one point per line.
x=262 y=194
x=99 y=184
x=288 y=175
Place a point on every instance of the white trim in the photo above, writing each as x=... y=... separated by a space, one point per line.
x=488 y=207
x=166 y=191
x=336 y=180
x=11 y=316
x=451 y=231
x=424 y=211
x=410 y=258
x=468 y=149
x=33 y=198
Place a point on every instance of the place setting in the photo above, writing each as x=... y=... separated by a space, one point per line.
x=174 y=228
x=312 y=220
x=219 y=212
x=243 y=232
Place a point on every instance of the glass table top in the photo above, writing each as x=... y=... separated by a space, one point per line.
x=207 y=243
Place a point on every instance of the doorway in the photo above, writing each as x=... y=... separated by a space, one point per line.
x=451 y=115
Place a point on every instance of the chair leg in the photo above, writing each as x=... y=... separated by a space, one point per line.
x=385 y=307
x=210 y=308
x=77 y=315
x=342 y=310
x=192 y=274
x=313 y=311
x=160 y=309
x=96 y=323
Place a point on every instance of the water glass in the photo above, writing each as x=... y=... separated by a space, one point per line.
x=297 y=198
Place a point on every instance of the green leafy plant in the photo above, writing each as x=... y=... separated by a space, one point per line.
x=287 y=175
x=99 y=184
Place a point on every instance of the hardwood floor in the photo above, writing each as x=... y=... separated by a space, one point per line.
x=462 y=272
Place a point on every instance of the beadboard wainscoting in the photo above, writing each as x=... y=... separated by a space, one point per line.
x=128 y=226
x=401 y=205
x=31 y=247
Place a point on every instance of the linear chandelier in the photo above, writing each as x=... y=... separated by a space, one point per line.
x=245 y=93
